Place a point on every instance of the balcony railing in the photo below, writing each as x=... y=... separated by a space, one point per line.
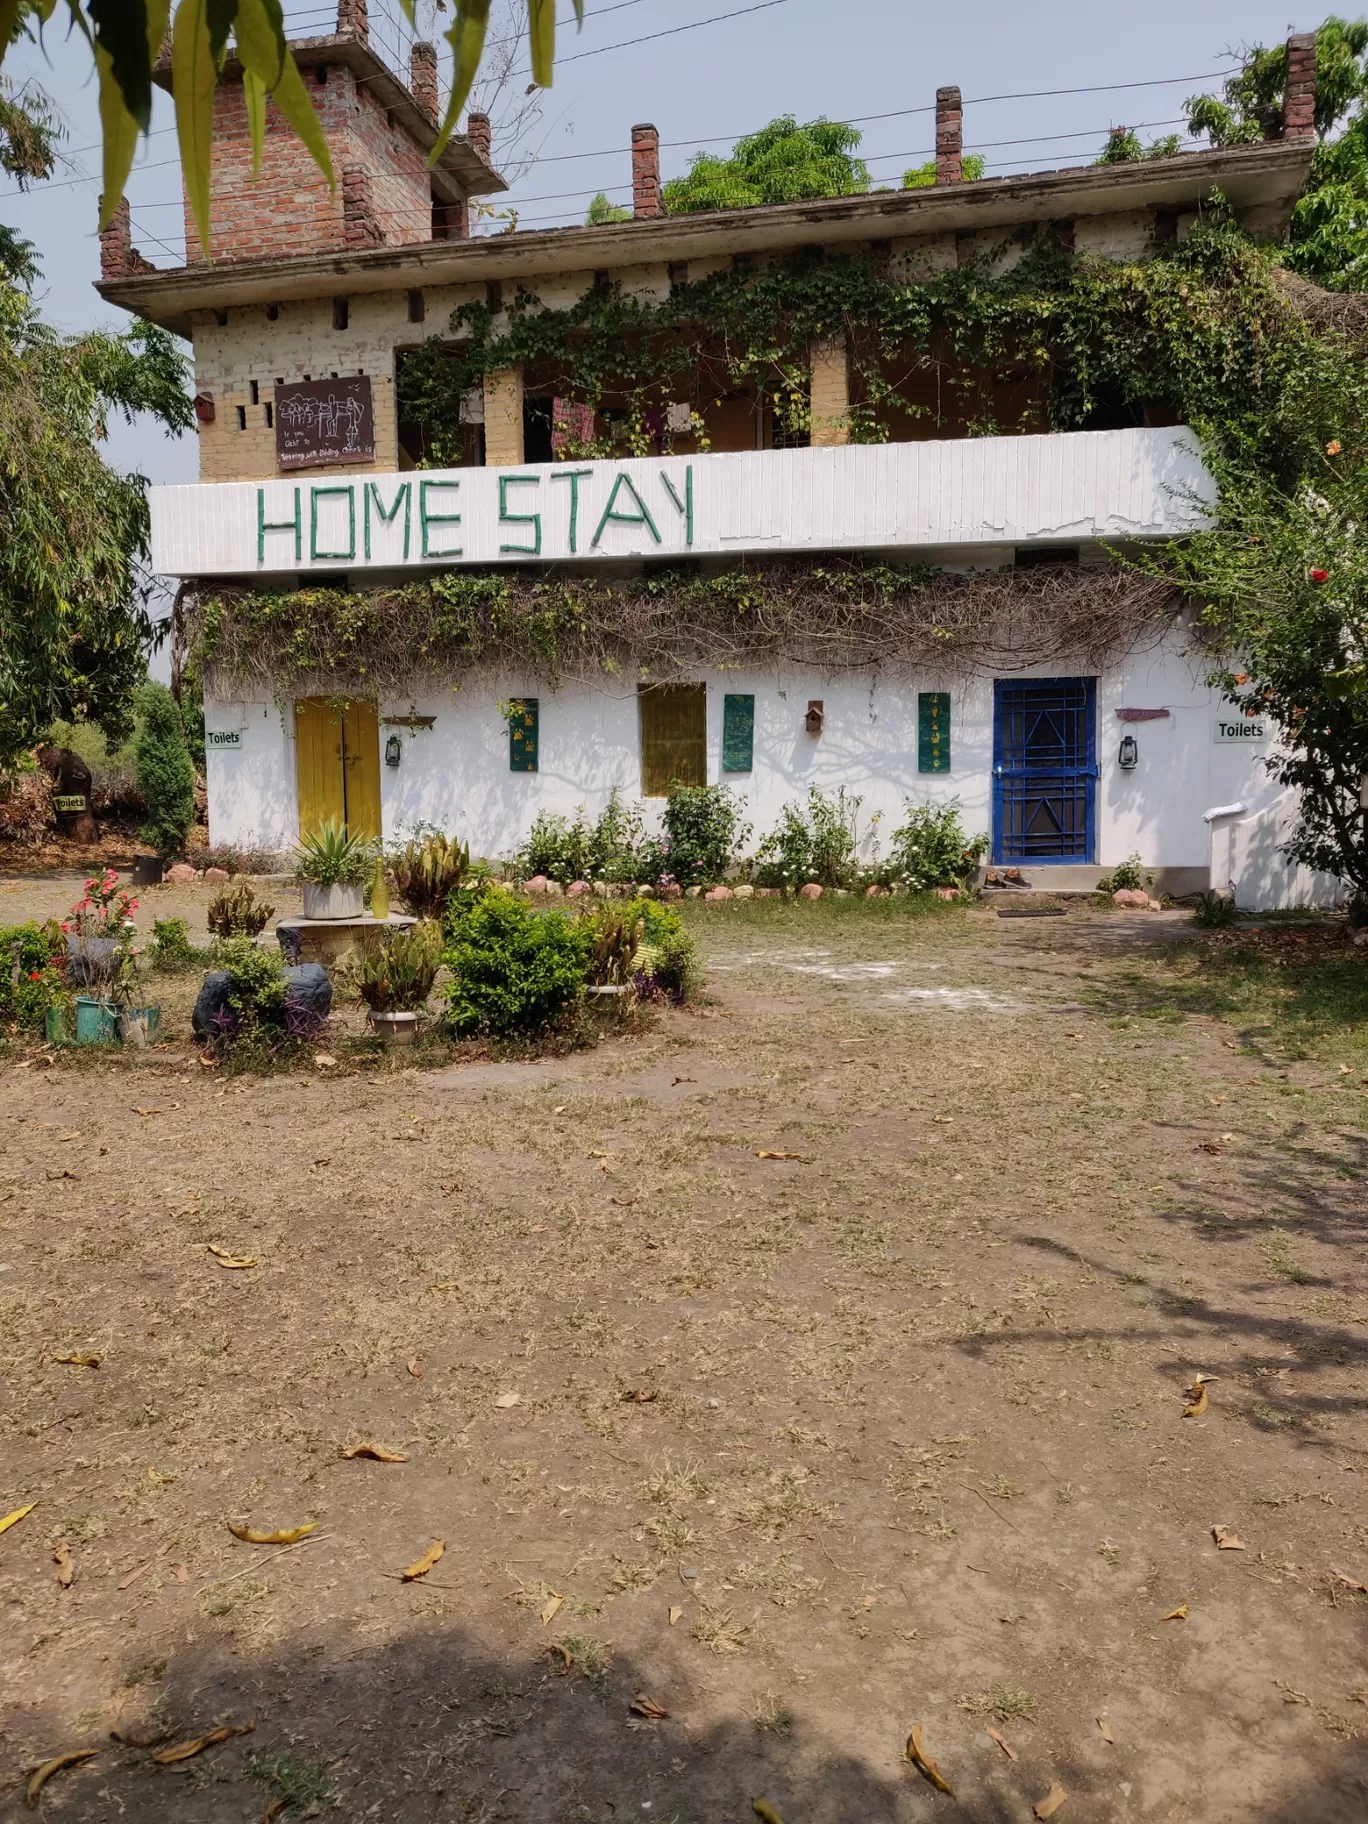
x=957 y=498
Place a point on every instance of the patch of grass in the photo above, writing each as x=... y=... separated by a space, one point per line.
x=672 y=1534
x=634 y=1576
x=675 y=1483
x=770 y=1716
x=782 y=1581
x=1004 y=1703
x=226 y=1597
x=1110 y=1552
x=585 y=1654
x=1001 y=1489
x=719 y=1631
x=784 y=1503
x=301 y=1784
x=1277 y=1253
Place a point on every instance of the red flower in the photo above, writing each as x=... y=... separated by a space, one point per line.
x=1320 y=576
x=35 y=975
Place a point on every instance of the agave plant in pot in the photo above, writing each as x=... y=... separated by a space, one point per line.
x=393 y=978
x=333 y=866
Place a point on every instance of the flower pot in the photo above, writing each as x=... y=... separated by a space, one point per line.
x=97 y=1022
x=91 y=959
x=139 y=1025
x=394 y=1028
x=57 y=1024
x=148 y=870
x=336 y=901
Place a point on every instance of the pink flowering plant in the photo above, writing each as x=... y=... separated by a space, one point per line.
x=105 y=911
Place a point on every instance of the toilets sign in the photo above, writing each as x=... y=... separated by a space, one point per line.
x=1239 y=731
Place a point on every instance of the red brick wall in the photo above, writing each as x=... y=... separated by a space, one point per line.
x=288 y=209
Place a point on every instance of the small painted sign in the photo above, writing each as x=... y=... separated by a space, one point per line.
x=321 y=421
x=524 y=728
x=219 y=740
x=1239 y=731
x=69 y=802
x=738 y=734
x=933 y=731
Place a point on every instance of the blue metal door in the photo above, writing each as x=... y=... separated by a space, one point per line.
x=1044 y=770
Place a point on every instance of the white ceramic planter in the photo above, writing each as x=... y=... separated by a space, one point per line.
x=394 y=1028
x=334 y=901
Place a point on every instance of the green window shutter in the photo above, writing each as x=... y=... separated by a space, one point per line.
x=524 y=721
x=933 y=731
x=738 y=734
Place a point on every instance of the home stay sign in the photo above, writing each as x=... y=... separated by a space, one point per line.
x=1141 y=483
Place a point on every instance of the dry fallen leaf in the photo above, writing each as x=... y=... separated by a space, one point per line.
x=1104 y=1728
x=282 y=1536
x=1197 y=1398
x=505 y=1400
x=44 y=1773
x=184 y=1750
x=924 y=1764
x=802 y=1158
x=450 y=1190
x=421 y=1566
x=676 y=1616
x=551 y=1608
x=127 y=1583
x=14 y=1518
x=66 y=1570
x=225 y=1259
x=376 y=1452
x=1004 y=1744
x=273 y=1811
x=139 y=1738
x=624 y=1202
x=149 y=1111
x=598 y=1155
x=1050 y=1804
x=415 y=1367
x=324 y=1059
x=763 y=1809
x=638 y=1396
x=561 y=1110
x=1178 y=1614
x=647 y=1706
x=945 y=1120
x=78 y=1361
x=1227 y=1540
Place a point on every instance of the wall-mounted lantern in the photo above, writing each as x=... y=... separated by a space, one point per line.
x=394 y=749
x=1128 y=755
x=815 y=716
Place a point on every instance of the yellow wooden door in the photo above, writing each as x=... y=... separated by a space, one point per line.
x=361 y=759
x=337 y=764
x=674 y=736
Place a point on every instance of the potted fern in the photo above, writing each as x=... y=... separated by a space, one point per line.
x=393 y=978
x=333 y=867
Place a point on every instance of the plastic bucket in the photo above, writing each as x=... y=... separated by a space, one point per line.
x=96 y=1022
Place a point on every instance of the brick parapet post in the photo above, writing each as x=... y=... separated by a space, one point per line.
x=1299 y=94
x=480 y=136
x=360 y=227
x=353 y=20
x=646 y=202
x=423 y=77
x=949 y=136
x=119 y=258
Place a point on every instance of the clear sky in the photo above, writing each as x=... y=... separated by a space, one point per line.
x=712 y=82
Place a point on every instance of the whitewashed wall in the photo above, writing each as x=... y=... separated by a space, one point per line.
x=456 y=775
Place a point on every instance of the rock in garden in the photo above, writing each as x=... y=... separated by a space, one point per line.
x=745 y=892
x=307 y=987
x=578 y=888
x=719 y=893
x=768 y=892
x=672 y=891
x=537 y=884
x=210 y=1002
x=553 y=889
x=216 y=876
x=644 y=892
x=1131 y=896
x=946 y=892
x=181 y=875
x=811 y=890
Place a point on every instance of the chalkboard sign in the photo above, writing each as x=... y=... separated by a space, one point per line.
x=933 y=731
x=524 y=726
x=738 y=734
x=324 y=421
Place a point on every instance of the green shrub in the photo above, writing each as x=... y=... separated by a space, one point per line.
x=557 y=847
x=514 y=970
x=166 y=773
x=237 y=912
x=930 y=848
x=702 y=832
x=1128 y=876
x=332 y=857
x=666 y=960
x=1214 y=910
x=818 y=846
x=257 y=989
x=31 y=981
x=615 y=842
x=171 y=949
x=614 y=935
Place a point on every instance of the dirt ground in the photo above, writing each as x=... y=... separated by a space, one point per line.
x=808 y=1369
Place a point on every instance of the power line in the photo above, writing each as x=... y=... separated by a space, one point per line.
x=670 y=32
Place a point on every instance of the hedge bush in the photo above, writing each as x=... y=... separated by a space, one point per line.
x=514 y=971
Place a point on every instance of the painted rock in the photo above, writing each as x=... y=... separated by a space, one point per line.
x=537 y=884
x=578 y=888
x=946 y=892
x=719 y=893
x=1131 y=896
x=182 y=875
x=811 y=890
x=216 y=876
x=672 y=891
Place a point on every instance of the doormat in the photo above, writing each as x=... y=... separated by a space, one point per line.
x=1031 y=912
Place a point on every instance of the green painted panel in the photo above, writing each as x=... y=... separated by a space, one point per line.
x=524 y=721
x=738 y=734
x=933 y=731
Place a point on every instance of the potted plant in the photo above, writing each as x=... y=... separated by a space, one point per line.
x=394 y=978
x=98 y=929
x=333 y=867
x=135 y=1023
